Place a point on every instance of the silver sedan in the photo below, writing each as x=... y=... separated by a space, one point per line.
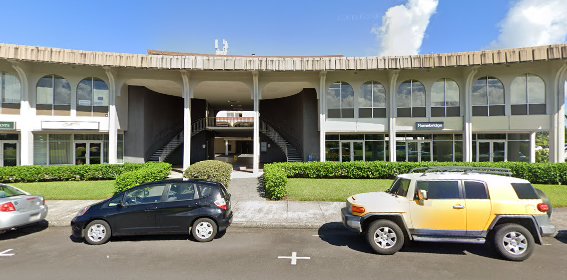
x=19 y=208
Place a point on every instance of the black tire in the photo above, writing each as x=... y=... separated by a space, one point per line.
x=545 y=200
x=97 y=232
x=379 y=236
x=204 y=230
x=519 y=235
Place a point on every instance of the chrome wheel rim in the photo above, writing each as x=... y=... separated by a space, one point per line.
x=385 y=237
x=96 y=232
x=515 y=243
x=204 y=230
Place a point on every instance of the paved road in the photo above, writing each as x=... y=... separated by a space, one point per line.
x=246 y=253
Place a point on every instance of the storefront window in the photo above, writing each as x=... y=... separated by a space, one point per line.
x=40 y=149
x=60 y=151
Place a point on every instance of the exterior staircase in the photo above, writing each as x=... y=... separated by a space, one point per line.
x=162 y=153
x=290 y=152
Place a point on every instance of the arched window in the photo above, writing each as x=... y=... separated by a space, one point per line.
x=528 y=95
x=92 y=97
x=53 y=95
x=372 y=102
x=488 y=97
x=340 y=100
x=10 y=92
x=411 y=99
x=445 y=99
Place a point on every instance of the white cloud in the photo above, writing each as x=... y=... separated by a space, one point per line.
x=533 y=23
x=403 y=27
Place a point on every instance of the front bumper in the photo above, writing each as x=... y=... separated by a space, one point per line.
x=77 y=226
x=9 y=220
x=350 y=221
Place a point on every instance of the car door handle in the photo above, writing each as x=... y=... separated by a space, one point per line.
x=458 y=206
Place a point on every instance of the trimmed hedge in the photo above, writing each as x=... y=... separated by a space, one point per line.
x=536 y=173
x=39 y=173
x=150 y=172
x=275 y=182
x=210 y=170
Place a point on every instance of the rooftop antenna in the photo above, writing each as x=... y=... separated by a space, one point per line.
x=224 y=50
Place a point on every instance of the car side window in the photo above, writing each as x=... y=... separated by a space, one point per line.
x=439 y=189
x=206 y=190
x=181 y=191
x=144 y=195
x=475 y=190
x=400 y=187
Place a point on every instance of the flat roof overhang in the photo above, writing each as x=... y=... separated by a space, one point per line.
x=279 y=63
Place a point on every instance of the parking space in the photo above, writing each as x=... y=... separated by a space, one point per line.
x=257 y=254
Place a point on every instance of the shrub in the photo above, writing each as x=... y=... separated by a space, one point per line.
x=536 y=173
x=275 y=182
x=542 y=155
x=210 y=170
x=150 y=172
x=38 y=173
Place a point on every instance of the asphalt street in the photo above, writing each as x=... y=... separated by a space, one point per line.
x=40 y=252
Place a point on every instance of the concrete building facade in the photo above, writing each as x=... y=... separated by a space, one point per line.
x=77 y=107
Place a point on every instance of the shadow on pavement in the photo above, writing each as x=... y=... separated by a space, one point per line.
x=260 y=187
x=138 y=238
x=25 y=230
x=335 y=234
x=561 y=236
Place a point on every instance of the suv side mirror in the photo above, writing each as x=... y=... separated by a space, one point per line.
x=422 y=194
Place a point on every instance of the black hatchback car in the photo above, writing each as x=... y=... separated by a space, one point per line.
x=175 y=206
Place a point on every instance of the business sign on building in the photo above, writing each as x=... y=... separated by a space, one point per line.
x=69 y=125
x=429 y=125
x=7 y=125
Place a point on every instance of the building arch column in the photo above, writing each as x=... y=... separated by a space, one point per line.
x=187 y=129
x=467 y=117
x=393 y=81
x=112 y=117
x=322 y=110
x=27 y=114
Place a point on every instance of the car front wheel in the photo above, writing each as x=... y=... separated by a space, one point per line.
x=514 y=242
x=97 y=232
x=204 y=230
x=385 y=237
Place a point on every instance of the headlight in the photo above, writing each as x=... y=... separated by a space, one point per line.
x=83 y=211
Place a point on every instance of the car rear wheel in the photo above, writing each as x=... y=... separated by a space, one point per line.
x=97 y=232
x=204 y=230
x=514 y=242
x=385 y=237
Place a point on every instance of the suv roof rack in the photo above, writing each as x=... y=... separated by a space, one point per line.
x=464 y=170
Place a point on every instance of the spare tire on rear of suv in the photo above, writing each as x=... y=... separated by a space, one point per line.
x=545 y=200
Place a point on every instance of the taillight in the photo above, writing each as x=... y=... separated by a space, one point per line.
x=221 y=203
x=358 y=209
x=542 y=207
x=7 y=207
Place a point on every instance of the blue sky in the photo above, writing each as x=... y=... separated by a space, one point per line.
x=262 y=27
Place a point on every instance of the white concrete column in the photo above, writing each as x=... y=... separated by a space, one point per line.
x=256 y=137
x=532 y=146
x=112 y=117
x=187 y=130
x=392 y=90
x=467 y=117
x=557 y=133
x=226 y=147
x=26 y=116
x=322 y=93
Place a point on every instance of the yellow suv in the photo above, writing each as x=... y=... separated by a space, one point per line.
x=453 y=204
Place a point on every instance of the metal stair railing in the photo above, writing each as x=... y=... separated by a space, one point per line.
x=168 y=148
x=275 y=137
x=198 y=126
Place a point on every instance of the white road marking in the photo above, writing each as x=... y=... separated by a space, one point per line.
x=294 y=258
x=6 y=254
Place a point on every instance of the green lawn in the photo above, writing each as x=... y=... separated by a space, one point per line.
x=70 y=190
x=340 y=189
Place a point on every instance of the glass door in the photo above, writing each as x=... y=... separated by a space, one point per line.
x=345 y=151
x=418 y=151
x=88 y=153
x=352 y=150
x=491 y=151
x=9 y=154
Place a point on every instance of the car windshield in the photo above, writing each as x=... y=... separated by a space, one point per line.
x=7 y=191
x=399 y=187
